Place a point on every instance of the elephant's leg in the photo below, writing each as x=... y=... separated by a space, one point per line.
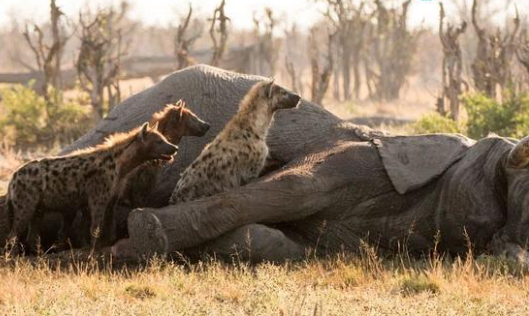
x=254 y=243
x=303 y=188
x=501 y=245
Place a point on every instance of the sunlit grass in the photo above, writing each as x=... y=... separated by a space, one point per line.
x=341 y=285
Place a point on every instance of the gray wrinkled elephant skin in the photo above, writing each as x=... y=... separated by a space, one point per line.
x=332 y=184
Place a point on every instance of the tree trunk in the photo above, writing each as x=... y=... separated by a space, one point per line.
x=346 y=72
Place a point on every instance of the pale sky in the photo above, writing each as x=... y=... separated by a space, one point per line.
x=165 y=12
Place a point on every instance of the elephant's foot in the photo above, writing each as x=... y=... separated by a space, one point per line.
x=149 y=237
x=123 y=250
x=501 y=245
x=253 y=243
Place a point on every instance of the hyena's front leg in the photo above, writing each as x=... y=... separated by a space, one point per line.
x=98 y=207
x=109 y=233
x=33 y=239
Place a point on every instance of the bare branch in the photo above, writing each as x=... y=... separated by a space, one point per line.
x=219 y=29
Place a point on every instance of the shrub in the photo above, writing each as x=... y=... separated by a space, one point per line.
x=416 y=284
x=436 y=123
x=28 y=120
x=486 y=115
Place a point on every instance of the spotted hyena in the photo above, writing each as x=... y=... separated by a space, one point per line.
x=174 y=122
x=88 y=178
x=238 y=153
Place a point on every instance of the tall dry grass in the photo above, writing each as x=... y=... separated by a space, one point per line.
x=342 y=285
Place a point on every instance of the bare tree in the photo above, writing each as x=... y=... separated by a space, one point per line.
x=491 y=68
x=321 y=76
x=99 y=60
x=392 y=50
x=350 y=22
x=266 y=48
x=292 y=74
x=49 y=56
x=183 y=42
x=218 y=32
x=292 y=58
x=452 y=65
x=523 y=51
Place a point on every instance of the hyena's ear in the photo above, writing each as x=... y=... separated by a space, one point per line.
x=181 y=110
x=155 y=126
x=269 y=88
x=144 y=130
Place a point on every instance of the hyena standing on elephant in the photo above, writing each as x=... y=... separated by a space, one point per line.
x=238 y=153
x=174 y=122
x=91 y=177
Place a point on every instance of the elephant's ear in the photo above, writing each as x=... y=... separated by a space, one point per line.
x=413 y=161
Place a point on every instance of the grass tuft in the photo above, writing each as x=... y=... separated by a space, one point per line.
x=140 y=291
x=415 y=284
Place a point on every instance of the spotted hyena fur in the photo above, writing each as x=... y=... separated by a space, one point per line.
x=238 y=153
x=174 y=122
x=88 y=179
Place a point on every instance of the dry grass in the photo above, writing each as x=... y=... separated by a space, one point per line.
x=337 y=286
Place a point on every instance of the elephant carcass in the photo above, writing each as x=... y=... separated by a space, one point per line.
x=214 y=95
x=338 y=184
x=334 y=199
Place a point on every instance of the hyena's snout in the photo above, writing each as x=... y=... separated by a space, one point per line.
x=203 y=127
x=168 y=151
x=291 y=100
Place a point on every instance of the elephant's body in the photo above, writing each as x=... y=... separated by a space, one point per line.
x=460 y=203
x=338 y=184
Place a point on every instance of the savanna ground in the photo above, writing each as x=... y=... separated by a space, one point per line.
x=364 y=284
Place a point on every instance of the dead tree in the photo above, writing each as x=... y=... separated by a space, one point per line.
x=49 y=56
x=99 y=60
x=321 y=77
x=349 y=22
x=292 y=58
x=491 y=68
x=452 y=66
x=183 y=42
x=265 y=51
x=271 y=49
x=392 y=50
x=292 y=74
x=218 y=32
x=522 y=53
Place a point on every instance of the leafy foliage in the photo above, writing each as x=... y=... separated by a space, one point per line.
x=28 y=120
x=436 y=123
x=485 y=115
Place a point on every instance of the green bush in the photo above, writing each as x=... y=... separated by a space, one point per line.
x=486 y=115
x=27 y=120
x=436 y=123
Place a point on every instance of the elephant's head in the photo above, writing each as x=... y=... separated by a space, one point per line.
x=516 y=169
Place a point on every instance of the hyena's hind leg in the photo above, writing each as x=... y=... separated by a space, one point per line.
x=23 y=210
